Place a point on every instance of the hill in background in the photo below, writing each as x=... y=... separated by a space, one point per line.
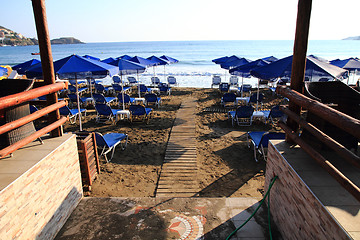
x=11 y=38
x=352 y=38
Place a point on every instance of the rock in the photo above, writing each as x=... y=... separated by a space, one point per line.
x=66 y=40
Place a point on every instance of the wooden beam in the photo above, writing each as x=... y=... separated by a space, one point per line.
x=345 y=122
x=12 y=148
x=299 y=54
x=349 y=156
x=18 y=98
x=21 y=121
x=331 y=169
x=46 y=57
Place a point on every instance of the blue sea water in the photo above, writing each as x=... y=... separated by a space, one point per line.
x=195 y=67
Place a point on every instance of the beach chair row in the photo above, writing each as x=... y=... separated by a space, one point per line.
x=120 y=100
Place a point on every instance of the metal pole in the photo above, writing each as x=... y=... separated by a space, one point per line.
x=78 y=101
x=299 y=56
x=46 y=58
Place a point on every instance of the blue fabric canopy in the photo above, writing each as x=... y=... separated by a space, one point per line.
x=350 y=64
x=244 y=70
x=235 y=63
x=108 y=60
x=91 y=57
x=169 y=59
x=143 y=61
x=127 y=67
x=220 y=60
x=270 y=59
x=22 y=67
x=125 y=57
x=314 y=67
x=159 y=61
x=76 y=66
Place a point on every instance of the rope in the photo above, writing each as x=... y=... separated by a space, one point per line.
x=262 y=201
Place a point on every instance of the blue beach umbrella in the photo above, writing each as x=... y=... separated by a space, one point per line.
x=75 y=66
x=220 y=60
x=244 y=71
x=22 y=67
x=159 y=61
x=125 y=57
x=127 y=67
x=226 y=59
x=351 y=64
x=170 y=60
x=108 y=60
x=143 y=61
x=314 y=67
x=270 y=59
x=234 y=63
x=91 y=57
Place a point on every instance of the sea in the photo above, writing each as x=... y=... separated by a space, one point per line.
x=195 y=67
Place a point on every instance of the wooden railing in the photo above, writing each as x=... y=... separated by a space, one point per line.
x=338 y=119
x=16 y=99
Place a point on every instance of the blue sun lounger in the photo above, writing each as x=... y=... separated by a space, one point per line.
x=241 y=116
x=105 y=113
x=72 y=113
x=152 y=99
x=109 y=141
x=260 y=141
x=139 y=113
x=99 y=98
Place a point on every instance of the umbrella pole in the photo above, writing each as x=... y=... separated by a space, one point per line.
x=90 y=88
x=78 y=101
x=122 y=91
x=164 y=74
x=257 y=97
x=137 y=74
x=242 y=85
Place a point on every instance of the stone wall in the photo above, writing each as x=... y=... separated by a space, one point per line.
x=297 y=212
x=37 y=204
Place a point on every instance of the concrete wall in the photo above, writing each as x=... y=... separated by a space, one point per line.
x=297 y=212
x=37 y=203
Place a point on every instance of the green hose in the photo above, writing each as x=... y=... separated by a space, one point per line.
x=262 y=201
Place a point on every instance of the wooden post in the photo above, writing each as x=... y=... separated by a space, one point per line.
x=299 y=55
x=46 y=58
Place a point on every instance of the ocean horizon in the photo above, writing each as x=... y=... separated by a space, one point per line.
x=195 y=68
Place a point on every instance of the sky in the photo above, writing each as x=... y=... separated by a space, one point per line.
x=181 y=20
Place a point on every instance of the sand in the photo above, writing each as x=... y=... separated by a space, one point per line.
x=226 y=166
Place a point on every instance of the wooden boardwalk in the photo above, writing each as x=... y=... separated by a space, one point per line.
x=179 y=170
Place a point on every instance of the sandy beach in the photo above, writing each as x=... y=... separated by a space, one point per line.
x=226 y=166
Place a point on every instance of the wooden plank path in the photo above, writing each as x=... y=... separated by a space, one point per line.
x=179 y=169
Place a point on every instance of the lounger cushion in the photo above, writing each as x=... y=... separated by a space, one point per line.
x=256 y=137
x=113 y=138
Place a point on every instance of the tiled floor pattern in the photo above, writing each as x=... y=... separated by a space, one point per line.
x=162 y=218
